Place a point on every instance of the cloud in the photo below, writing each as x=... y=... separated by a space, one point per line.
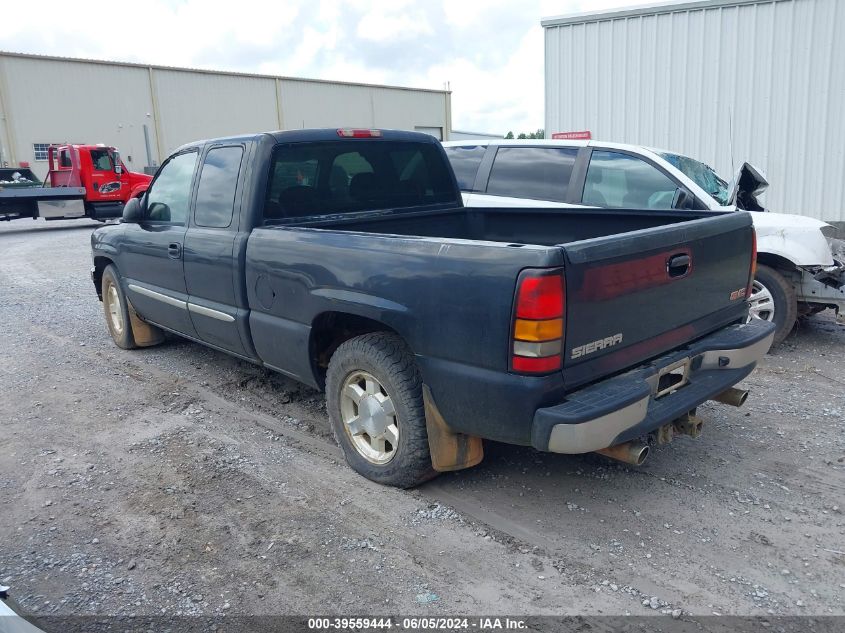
x=491 y=51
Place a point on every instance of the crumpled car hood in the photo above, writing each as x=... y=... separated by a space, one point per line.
x=748 y=183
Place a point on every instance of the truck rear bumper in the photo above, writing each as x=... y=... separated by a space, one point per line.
x=625 y=407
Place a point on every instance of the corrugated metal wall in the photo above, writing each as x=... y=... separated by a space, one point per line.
x=58 y=101
x=192 y=106
x=53 y=100
x=722 y=82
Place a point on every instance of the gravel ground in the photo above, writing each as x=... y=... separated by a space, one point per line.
x=179 y=481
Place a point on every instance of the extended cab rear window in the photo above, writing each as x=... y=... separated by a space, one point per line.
x=355 y=175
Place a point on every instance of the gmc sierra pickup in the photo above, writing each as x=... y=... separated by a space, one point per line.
x=346 y=260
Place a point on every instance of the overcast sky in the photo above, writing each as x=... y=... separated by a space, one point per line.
x=490 y=51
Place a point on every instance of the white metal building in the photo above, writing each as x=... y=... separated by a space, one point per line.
x=723 y=81
x=461 y=135
x=47 y=100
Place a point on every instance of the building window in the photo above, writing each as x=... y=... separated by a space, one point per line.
x=40 y=150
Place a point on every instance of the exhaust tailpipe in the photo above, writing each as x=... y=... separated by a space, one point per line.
x=732 y=396
x=633 y=452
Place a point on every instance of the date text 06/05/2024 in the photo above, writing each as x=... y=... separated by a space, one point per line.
x=415 y=623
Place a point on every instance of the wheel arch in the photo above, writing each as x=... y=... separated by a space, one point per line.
x=778 y=262
x=139 y=190
x=100 y=263
x=329 y=330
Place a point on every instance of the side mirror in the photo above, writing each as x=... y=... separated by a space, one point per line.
x=118 y=169
x=133 y=212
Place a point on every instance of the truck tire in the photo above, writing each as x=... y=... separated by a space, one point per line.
x=116 y=310
x=773 y=299
x=375 y=403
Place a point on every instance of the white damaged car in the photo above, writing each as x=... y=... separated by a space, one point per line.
x=800 y=267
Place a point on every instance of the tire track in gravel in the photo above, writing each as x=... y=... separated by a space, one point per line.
x=570 y=553
x=517 y=540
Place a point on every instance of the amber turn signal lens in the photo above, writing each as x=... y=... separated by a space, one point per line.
x=548 y=330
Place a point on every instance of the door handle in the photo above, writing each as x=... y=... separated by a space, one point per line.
x=174 y=250
x=679 y=265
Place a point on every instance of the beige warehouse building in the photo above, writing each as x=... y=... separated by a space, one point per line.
x=46 y=100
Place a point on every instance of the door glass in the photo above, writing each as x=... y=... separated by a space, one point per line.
x=167 y=199
x=216 y=191
x=465 y=161
x=539 y=173
x=620 y=181
x=102 y=160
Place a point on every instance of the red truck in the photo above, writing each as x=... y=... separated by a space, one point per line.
x=84 y=181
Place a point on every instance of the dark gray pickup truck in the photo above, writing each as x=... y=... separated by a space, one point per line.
x=345 y=259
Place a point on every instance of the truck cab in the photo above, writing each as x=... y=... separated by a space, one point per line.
x=100 y=171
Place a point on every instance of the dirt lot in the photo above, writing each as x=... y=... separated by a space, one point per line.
x=176 y=480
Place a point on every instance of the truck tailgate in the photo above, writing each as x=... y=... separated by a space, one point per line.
x=634 y=296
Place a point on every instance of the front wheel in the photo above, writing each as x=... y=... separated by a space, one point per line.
x=773 y=299
x=116 y=310
x=375 y=403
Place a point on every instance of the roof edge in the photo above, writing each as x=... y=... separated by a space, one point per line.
x=654 y=8
x=225 y=73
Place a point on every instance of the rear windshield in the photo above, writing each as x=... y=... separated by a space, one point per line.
x=355 y=175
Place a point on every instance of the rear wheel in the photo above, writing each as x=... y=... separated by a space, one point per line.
x=374 y=398
x=773 y=299
x=116 y=311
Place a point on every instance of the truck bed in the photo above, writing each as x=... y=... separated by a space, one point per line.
x=615 y=264
x=35 y=201
x=541 y=226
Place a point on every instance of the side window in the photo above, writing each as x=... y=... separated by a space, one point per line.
x=539 y=173
x=621 y=181
x=101 y=160
x=465 y=161
x=216 y=190
x=168 y=196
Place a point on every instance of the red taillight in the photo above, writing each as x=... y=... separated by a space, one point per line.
x=538 y=322
x=543 y=365
x=358 y=133
x=753 y=271
x=540 y=297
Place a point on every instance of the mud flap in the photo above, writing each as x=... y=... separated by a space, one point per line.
x=145 y=335
x=449 y=450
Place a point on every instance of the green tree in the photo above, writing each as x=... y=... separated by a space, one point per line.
x=540 y=133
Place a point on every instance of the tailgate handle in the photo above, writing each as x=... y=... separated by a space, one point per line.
x=678 y=265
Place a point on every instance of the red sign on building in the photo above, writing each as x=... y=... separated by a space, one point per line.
x=586 y=135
